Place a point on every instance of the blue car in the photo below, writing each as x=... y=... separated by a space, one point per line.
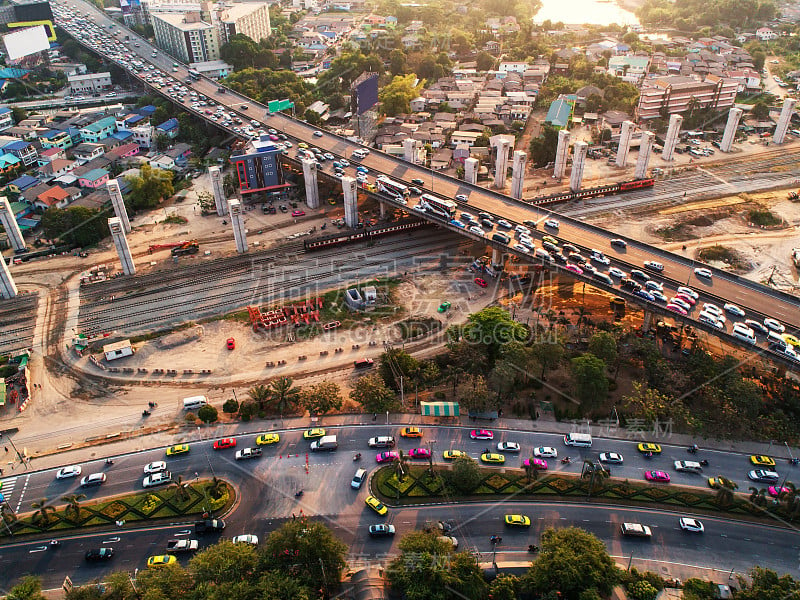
x=361 y=169
x=337 y=164
x=457 y=223
x=646 y=295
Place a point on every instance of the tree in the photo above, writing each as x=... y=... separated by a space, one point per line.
x=284 y=396
x=312 y=117
x=395 y=363
x=259 y=394
x=316 y=556
x=150 y=187
x=465 y=475
x=396 y=97
x=19 y=113
x=571 y=561
x=492 y=328
x=206 y=202
x=642 y=590
x=223 y=564
x=207 y=414
x=29 y=588
x=473 y=394
x=397 y=62
x=180 y=488
x=230 y=407
x=372 y=393
x=589 y=375
x=485 y=61
x=42 y=513
x=760 y=111
x=543 y=148
x=766 y=583
x=75 y=225
x=604 y=346
x=504 y=587
x=697 y=589
x=321 y=398
x=73 y=505
x=548 y=354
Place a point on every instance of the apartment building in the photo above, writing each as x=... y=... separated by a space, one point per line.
x=679 y=93
x=186 y=36
x=248 y=18
x=91 y=83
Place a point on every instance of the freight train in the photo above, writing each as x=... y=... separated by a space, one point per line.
x=603 y=190
x=365 y=234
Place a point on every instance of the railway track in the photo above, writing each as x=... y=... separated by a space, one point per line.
x=17 y=319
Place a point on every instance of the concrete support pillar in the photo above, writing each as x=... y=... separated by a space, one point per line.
x=237 y=224
x=518 y=174
x=310 y=179
x=734 y=115
x=121 y=244
x=501 y=164
x=410 y=150
x=671 y=140
x=562 y=152
x=382 y=207
x=118 y=203
x=783 y=121
x=624 y=143
x=497 y=258
x=471 y=166
x=11 y=226
x=645 y=149
x=578 y=162
x=217 y=187
x=648 y=320
x=8 y=289
x=350 y=201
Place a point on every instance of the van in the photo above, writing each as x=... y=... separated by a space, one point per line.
x=358 y=479
x=194 y=402
x=688 y=466
x=501 y=237
x=359 y=154
x=744 y=333
x=581 y=440
x=384 y=441
x=327 y=442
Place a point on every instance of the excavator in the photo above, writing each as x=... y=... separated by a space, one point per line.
x=178 y=248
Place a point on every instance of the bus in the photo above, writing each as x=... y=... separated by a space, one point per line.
x=392 y=188
x=438 y=206
x=194 y=75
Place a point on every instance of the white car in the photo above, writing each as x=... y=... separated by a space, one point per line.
x=611 y=458
x=155 y=467
x=316 y=134
x=654 y=286
x=711 y=319
x=462 y=198
x=545 y=452
x=552 y=223
x=68 y=472
x=600 y=258
x=693 y=525
x=504 y=224
x=521 y=248
x=682 y=303
x=246 y=539
x=774 y=325
x=160 y=478
x=615 y=272
x=688 y=292
x=508 y=447
x=734 y=310
x=703 y=272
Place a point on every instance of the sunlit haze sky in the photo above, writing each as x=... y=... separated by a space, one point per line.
x=577 y=12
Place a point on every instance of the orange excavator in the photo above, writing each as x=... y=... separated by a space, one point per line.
x=178 y=248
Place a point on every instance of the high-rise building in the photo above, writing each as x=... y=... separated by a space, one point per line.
x=186 y=36
x=257 y=168
x=246 y=18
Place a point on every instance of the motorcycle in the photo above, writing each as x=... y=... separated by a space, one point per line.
x=109 y=462
x=145 y=413
x=692 y=450
x=533 y=548
x=648 y=455
x=298 y=493
x=357 y=457
x=566 y=460
x=704 y=463
x=54 y=544
x=794 y=461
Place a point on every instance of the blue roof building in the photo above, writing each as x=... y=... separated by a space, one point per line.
x=168 y=128
x=559 y=113
x=25 y=182
x=147 y=110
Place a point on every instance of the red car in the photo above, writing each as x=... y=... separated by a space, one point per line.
x=656 y=476
x=575 y=269
x=539 y=463
x=419 y=453
x=225 y=443
x=481 y=434
x=298 y=213
x=231 y=343
x=677 y=309
x=387 y=456
x=776 y=491
x=686 y=298
x=481 y=282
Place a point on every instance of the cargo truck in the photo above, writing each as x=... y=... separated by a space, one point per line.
x=327 y=442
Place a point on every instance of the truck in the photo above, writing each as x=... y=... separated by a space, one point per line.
x=209 y=526
x=178 y=546
x=327 y=442
x=246 y=453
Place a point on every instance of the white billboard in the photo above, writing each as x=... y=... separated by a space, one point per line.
x=26 y=42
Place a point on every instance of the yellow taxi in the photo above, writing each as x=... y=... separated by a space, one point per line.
x=720 y=481
x=551 y=239
x=762 y=461
x=316 y=432
x=376 y=505
x=411 y=432
x=303 y=145
x=453 y=454
x=267 y=438
x=649 y=447
x=177 y=449
x=161 y=560
x=491 y=457
x=517 y=520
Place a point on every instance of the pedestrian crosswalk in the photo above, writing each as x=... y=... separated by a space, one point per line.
x=7 y=487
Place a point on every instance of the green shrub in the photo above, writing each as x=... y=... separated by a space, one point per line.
x=230 y=407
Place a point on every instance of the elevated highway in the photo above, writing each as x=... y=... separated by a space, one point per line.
x=758 y=300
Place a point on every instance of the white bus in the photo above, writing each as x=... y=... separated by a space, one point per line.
x=438 y=206
x=392 y=188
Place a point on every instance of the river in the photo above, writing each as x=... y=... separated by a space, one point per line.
x=578 y=12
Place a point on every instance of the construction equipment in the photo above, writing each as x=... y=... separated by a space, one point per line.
x=178 y=248
x=793 y=196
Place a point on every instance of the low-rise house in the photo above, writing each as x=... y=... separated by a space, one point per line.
x=168 y=128
x=25 y=151
x=6 y=118
x=93 y=179
x=85 y=152
x=54 y=197
x=57 y=167
x=98 y=130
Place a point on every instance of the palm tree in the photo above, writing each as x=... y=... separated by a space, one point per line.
x=43 y=511
x=73 y=505
x=215 y=487
x=7 y=513
x=531 y=470
x=400 y=464
x=259 y=394
x=282 y=393
x=180 y=488
x=724 y=495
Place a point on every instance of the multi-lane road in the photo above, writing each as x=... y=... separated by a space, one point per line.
x=267 y=488
x=747 y=294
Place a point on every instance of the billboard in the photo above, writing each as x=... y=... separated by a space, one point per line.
x=364 y=92
x=33 y=11
x=25 y=42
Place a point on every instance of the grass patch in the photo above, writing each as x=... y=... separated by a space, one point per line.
x=722 y=254
x=675 y=233
x=146 y=337
x=417 y=326
x=239 y=316
x=763 y=218
x=175 y=220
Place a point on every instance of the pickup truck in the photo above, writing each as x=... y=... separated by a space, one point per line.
x=209 y=525
x=248 y=453
x=176 y=546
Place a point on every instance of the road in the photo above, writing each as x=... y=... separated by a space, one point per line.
x=749 y=295
x=267 y=489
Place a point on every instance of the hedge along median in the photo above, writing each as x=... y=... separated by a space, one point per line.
x=165 y=503
x=419 y=486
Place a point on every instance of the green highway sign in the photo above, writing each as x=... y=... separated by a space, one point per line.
x=278 y=105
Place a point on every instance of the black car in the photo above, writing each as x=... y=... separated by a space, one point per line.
x=641 y=275
x=559 y=258
x=418 y=181
x=630 y=284
x=619 y=243
x=98 y=554
x=209 y=526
